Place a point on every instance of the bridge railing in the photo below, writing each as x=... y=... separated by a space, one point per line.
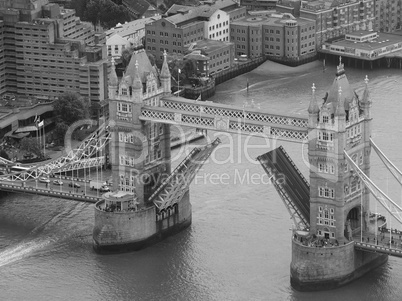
x=377 y=248
x=49 y=192
x=249 y=114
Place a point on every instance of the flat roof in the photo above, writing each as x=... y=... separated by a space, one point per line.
x=360 y=33
x=211 y=45
x=270 y=19
x=382 y=40
x=131 y=27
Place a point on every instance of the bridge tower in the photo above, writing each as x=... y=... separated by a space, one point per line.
x=336 y=194
x=140 y=159
x=136 y=165
x=339 y=204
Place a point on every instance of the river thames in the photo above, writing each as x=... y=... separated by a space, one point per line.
x=239 y=244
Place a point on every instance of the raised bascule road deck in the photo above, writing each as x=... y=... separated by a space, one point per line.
x=291 y=185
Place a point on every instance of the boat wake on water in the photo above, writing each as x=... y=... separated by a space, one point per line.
x=42 y=236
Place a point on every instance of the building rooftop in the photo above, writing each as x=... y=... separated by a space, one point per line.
x=382 y=40
x=181 y=13
x=210 y=45
x=139 y=6
x=196 y=55
x=129 y=28
x=270 y=19
x=324 y=4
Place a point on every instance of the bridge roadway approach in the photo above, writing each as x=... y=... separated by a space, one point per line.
x=82 y=194
x=381 y=242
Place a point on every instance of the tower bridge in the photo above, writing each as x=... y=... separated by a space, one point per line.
x=149 y=201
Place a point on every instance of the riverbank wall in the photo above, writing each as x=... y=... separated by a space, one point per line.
x=209 y=90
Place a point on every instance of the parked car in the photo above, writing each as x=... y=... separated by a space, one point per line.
x=104 y=188
x=58 y=182
x=44 y=180
x=74 y=184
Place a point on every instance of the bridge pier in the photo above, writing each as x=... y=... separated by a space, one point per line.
x=315 y=269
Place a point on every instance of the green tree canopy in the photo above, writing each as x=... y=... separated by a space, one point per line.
x=59 y=132
x=106 y=13
x=4 y=154
x=31 y=146
x=70 y=107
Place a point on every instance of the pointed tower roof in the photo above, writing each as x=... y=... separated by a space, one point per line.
x=144 y=66
x=113 y=80
x=366 y=93
x=137 y=84
x=340 y=109
x=165 y=73
x=340 y=82
x=313 y=107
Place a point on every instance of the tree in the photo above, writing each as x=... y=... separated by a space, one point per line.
x=70 y=107
x=126 y=56
x=4 y=154
x=80 y=6
x=59 y=132
x=106 y=13
x=151 y=58
x=31 y=146
x=190 y=68
x=174 y=65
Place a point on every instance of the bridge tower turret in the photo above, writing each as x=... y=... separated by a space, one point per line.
x=137 y=89
x=113 y=81
x=165 y=76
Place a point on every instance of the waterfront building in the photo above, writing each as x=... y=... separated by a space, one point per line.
x=47 y=50
x=387 y=15
x=335 y=18
x=277 y=35
x=366 y=46
x=201 y=62
x=220 y=55
x=185 y=25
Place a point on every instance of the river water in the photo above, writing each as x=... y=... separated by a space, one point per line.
x=238 y=247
